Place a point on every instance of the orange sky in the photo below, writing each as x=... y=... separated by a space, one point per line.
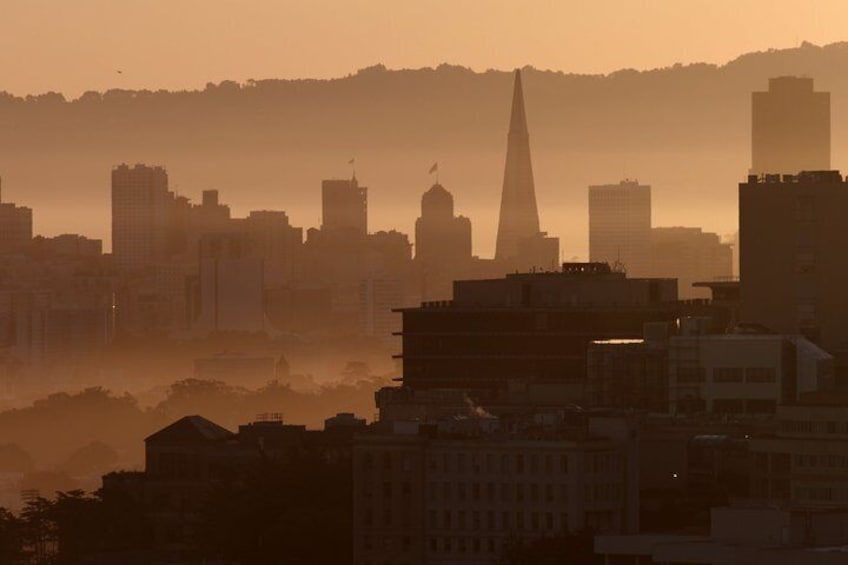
x=77 y=45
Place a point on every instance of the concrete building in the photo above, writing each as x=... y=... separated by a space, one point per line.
x=790 y=127
x=803 y=464
x=686 y=368
x=793 y=278
x=460 y=490
x=690 y=255
x=743 y=373
x=620 y=226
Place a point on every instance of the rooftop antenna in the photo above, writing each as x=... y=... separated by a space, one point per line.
x=352 y=164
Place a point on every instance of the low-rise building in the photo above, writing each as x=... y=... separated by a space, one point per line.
x=460 y=490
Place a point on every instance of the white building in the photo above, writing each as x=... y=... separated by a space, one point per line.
x=743 y=373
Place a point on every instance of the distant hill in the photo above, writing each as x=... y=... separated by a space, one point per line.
x=267 y=144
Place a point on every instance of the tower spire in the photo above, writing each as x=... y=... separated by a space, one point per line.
x=519 y=216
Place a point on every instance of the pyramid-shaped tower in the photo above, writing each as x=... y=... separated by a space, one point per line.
x=519 y=217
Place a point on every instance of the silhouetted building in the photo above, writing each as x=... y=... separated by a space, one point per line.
x=441 y=239
x=790 y=127
x=690 y=255
x=231 y=284
x=185 y=461
x=620 y=226
x=344 y=206
x=142 y=210
x=66 y=245
x=378 y=299
x=442 y=244
x=460 y=490
x=15 y=226
x=277 y=242
x=793 y=275
x=519 y=216
x=534 y=327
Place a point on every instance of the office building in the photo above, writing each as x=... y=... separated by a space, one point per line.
x=803 y=464
x=143 y=216
x=741 y=373
x=231 y=285
x=344 y=207
x=793 y=275
x=620 y=226
x=790 y=127
x=528 y=326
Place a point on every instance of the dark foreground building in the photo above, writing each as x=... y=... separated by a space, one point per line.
x=530 y=326
x=793 y=275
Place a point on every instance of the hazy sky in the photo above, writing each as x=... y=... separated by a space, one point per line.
x=77 y=45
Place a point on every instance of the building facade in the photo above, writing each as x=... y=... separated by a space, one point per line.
x=790 y=127
x=620 y=226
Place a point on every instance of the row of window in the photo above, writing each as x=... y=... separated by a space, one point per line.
x=813 y=427
x=503 y=463
x=491 y=492
x=821 y=494
x=821 y=461
x=728 y=375
x=493 y=521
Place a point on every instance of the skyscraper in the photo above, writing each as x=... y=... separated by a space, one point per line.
x=620 y=226
x=519 y=217
x=344 y=206
x=441 y=239
x=790 y=127
x=141 y=208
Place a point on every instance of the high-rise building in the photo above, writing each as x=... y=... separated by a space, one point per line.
x=790 y=127
x=519 y=217
x=793 y=274
x=231 y=284
x=690 y=255
x=344 y=207
x=141 y=210
x=620 y=226
x=440 y=237
x=15 y=226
